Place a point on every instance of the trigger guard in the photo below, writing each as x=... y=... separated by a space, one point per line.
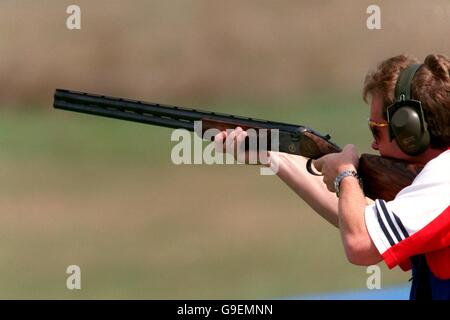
x=310 y=170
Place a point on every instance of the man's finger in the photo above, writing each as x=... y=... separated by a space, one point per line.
x=218 y=141
x=220 y=136
x=230 y=142
x=232 y=136
x=318 y=164
x=240 y=146
x=329 y=184
x=240 y=137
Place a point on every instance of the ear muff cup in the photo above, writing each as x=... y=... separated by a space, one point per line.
x=406 y=118
x=409 y=129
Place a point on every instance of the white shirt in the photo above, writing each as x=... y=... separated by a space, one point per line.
x=417 y=221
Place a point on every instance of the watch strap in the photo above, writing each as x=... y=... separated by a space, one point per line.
x=342 y=175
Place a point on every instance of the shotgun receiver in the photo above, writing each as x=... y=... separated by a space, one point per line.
x=383 y=178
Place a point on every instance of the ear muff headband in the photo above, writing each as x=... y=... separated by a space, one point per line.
x=403 y=86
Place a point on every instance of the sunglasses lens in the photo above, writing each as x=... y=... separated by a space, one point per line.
x=375 y=129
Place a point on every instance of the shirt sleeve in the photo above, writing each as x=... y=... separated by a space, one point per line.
x=417 y=220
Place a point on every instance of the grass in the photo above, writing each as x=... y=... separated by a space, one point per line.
x=103 y=194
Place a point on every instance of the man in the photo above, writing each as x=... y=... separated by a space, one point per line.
x=413 y=230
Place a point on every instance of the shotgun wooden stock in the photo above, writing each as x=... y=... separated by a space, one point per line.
x=383 y=177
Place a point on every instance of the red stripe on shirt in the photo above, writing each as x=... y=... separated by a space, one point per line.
x=433 y=239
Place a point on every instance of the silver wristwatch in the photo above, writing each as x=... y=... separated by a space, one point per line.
x=342 y=175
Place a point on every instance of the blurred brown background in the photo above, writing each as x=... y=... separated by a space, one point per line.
x=104 y=195
x=207 y=50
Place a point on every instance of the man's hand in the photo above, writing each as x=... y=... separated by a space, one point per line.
x=358 y=245
x=233 y=143
x=334 y=163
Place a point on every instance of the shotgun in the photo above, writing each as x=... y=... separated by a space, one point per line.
x=382 y=177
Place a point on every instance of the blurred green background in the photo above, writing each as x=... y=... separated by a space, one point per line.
x=104 y=195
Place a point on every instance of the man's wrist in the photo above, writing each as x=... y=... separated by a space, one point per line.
x=346 y=167
x=343 y=175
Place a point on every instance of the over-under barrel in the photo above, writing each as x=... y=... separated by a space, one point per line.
x=294 y=139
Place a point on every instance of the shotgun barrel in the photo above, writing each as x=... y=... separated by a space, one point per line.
x=294 y=139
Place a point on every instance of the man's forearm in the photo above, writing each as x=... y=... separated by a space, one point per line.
x=358 y=245
x=292 y=170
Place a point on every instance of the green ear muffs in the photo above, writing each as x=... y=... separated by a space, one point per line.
x=406 y=118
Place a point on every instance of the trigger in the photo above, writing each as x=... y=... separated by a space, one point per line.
x=310 y=169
